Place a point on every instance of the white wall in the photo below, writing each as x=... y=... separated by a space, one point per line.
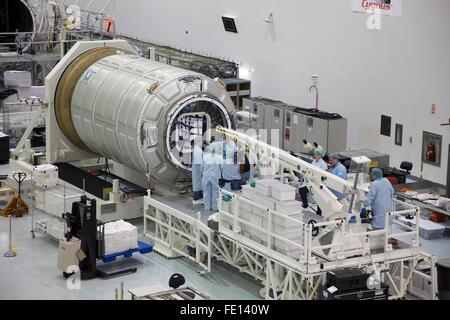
x=399 y=71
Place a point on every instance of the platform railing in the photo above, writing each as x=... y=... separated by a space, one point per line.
x=176 y=233
x=344 y=244
x=232 y=221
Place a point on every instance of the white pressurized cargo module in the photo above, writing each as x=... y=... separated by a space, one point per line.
x=106 y=101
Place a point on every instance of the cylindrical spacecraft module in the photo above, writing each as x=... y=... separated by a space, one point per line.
x=141 y=113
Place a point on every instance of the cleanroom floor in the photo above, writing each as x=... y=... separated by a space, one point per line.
x=33 y=274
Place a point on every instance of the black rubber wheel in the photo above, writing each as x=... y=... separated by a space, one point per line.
x=315 y=230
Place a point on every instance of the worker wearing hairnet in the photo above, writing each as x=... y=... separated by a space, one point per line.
x=319 y=163
x=318 y=148
x=231 y=175
x=197 y=163
x=338 y=169
x=378 y=200
x=212 y=172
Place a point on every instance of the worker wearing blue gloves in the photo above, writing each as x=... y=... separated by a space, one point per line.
x=197 y=164
x=231 y=175
x=338 y=169
x=378 y=201
x=319 y=163
x=212 y=172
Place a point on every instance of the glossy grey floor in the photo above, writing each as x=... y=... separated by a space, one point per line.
x=32 y=274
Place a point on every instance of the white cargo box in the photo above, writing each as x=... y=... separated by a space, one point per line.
x=13 y=78
x=286 y=222
x=227 y=219
x=259 y=237
x=120 y=236
x=287 y=246
x=45 y=176
x=245 y=206
x=282 y=192
x=265 y=202
x=227 y=206
x=430 y=230
x=256 y=220
x=294 y=254
x=225 y=226
x=38 y=91
x=263 y=186
x=427 y=229
x=291 y=207
x=245 y=214
x=248 y=191
x=57 y=201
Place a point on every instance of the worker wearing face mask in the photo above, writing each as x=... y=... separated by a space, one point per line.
x=319 y=163
x=378 y=201
x=231 y=175
x=197 y=164
x=212 y=172
x=338 y=169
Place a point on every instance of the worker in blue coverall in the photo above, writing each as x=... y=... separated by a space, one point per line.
x=231 y=173
x=197 y=164
x=378 y=200
x=319 y=163
x=338 y=169
x=212 y=172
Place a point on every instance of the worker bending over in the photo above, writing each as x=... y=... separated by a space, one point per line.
x=378 y=201
x=197 y=164
x=319 y=163
x=212 y=172
x=231 y=173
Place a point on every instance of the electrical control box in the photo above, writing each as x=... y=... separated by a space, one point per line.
x=326 y=129
x=286 y=126
x=270 y=119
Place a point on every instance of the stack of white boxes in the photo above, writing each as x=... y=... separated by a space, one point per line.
x=21 y=81
x=45 y=177
x=274 y=195
x=17 y=79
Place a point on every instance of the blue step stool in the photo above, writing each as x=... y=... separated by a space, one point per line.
x=142 y=248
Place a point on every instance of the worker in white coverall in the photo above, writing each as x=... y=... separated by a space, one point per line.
x=379 y=200
x=197 y=169
x=212 y=172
